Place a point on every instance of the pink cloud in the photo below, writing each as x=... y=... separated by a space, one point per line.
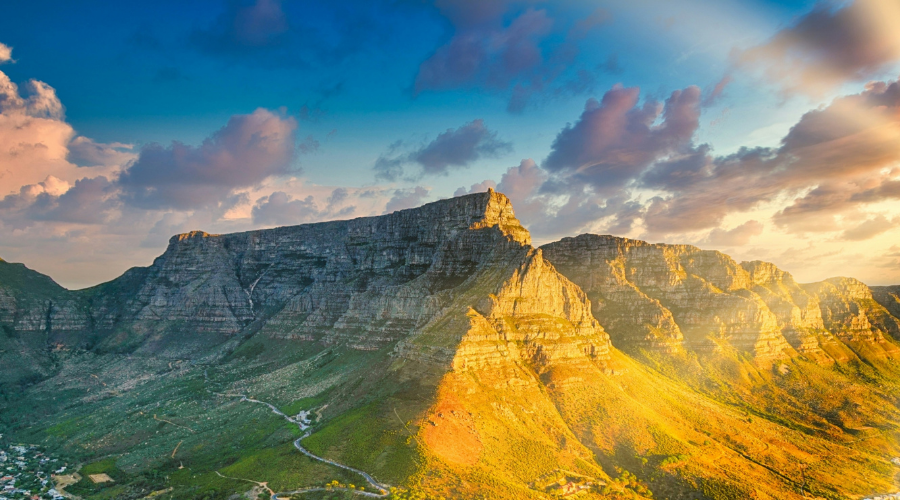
x=829 y=46
x=243 y=153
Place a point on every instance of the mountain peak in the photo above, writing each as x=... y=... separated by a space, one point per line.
x=472 y=211
x=476 y=211
x=191 y=235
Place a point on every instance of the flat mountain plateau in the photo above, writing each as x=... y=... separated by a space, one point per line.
x=435 y=353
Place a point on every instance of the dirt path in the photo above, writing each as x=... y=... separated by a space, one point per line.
x=264 y=485
x=63 y=481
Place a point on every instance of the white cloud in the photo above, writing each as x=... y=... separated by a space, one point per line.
x=5 y=53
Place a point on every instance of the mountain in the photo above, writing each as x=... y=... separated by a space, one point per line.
x=672 y=298
x=888 y=297
x=436 y=350
x=33 y=308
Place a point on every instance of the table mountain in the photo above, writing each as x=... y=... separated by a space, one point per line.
x=438 y=351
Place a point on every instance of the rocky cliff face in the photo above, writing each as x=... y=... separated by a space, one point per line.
x=888 y=297
x=670 y=297
x=365 y=282
x=851 y=314
x=36 y=314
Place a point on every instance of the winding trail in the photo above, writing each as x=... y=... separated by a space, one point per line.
x=302 y=422
x=262 y=485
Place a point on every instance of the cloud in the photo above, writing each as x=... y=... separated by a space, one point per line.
x=273 y=34
x=509 y=47
x=712 y=97
x=338 y=196
x=389 y=165
x=34 y=138
x=406 y=198
x=279 y=208
x=549 y=214
x=5 y=53
x=737 y=236
x=88 y=201
x=40 y=103
x=41 y=192
x=832 y=159
x=583 y=27
x=453 y=148
x=483 y=50
x=519 y=182
x=885 y=190
x=616 y=139
x=627 y=165
x=479 y=187
x=459 y=148
x=86 y=152
x=243 y=153
x=830 y=46
x=870 y=228
x=815 y=211
x=243 y=27
x=282 y=209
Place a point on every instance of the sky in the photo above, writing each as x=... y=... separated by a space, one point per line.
x=766 y=130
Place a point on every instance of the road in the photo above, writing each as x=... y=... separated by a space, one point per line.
x=303 y=424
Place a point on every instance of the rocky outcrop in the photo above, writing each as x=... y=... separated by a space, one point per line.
x=669 y=297
x=535 y=317
x=366 y=283
x=851 y=313
x=888 y=297
x=798 y=314
x=370 y=282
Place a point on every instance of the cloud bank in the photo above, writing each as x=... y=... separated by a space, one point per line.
x=627 y=164
x=829 y=46
x=243 y=153
x=453 y=148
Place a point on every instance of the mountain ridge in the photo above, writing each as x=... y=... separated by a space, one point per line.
x=444 y=354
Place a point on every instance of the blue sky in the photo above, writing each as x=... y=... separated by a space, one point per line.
x=596 y=116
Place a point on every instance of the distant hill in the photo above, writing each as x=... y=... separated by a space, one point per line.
x=439 y=352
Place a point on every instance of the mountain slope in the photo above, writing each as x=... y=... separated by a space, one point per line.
x=889 y=297
x=438 y=351
x=34 y=313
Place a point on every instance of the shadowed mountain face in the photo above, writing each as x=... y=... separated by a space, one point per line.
x=438 y=351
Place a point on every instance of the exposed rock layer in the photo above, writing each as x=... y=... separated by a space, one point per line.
x=364 y=282
x=669 y=297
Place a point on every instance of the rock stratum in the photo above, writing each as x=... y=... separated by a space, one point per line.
x=436 y=349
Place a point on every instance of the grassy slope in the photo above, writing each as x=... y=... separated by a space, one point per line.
x=680 y=430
